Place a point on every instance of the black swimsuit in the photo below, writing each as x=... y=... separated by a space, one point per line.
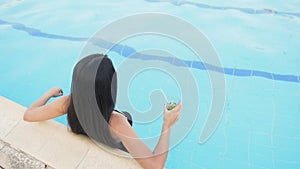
x=129 y=119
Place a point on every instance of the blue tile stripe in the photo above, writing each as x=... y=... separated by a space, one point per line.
x=38 y=33
x=244 y=10
x=127 y=51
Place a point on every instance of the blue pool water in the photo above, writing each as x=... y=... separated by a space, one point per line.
x=257 y=43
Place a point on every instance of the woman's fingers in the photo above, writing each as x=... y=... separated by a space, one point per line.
x=172 y=116
x=61 y=92
x=56 y=91
x=178 y=107
x=165 y=108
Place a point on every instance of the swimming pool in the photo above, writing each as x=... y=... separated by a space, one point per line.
x=257 y=44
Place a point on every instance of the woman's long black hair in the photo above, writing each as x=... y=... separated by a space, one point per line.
x=93 y=96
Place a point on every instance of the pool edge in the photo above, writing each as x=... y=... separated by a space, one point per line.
x=51 y=144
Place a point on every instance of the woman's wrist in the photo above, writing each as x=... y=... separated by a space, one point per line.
x=48 y=95
x=165 y=127
x=54 y=92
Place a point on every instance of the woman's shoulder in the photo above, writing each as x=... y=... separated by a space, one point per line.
x=116 y=119
x=117 y=124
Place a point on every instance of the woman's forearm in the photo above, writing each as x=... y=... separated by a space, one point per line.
x=39 y=111
x=41 y=101
x=55 y=91
x=162 y=148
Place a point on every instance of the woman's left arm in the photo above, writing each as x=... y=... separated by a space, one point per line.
x=40 y=111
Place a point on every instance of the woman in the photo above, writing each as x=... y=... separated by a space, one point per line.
x=90 y=111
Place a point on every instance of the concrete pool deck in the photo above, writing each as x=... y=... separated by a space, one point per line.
x=49 y=144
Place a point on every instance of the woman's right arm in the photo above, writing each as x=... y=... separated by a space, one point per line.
x=138 y=149
x=40 y=110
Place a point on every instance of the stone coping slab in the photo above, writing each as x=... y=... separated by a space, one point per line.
x=50 y=145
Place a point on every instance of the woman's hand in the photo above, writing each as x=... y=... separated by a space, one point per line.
x=171 y=116
x=55 y=92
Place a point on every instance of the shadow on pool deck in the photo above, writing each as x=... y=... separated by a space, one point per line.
x=49 y=144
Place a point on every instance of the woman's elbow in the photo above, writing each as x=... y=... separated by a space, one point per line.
x=151 y=163
x=155 y=164
x=159 y=166
x=26 y=116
